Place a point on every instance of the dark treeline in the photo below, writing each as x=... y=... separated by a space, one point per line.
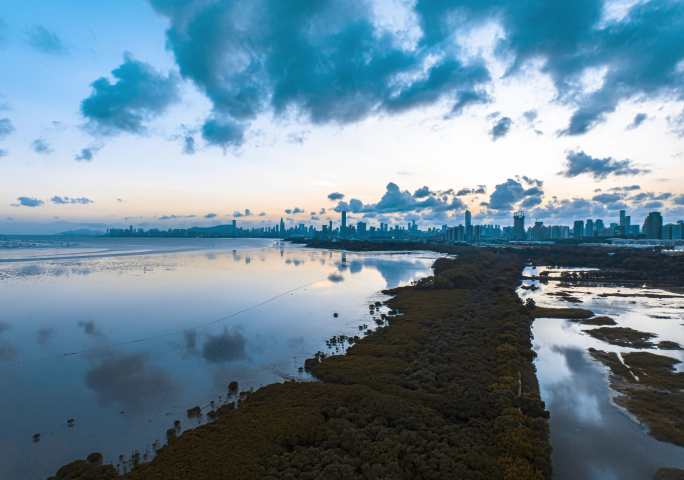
x=446 y=390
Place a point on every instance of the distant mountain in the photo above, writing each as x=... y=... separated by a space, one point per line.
x=82 y=232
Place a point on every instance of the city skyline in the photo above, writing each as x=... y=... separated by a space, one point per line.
x=104 y=119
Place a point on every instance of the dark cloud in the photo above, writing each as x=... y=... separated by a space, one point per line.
x=626 y=188
x=324 y=60
x=175 y=217
x=87 y=154
x=579 y=162
x=467 y=98
x=639 y=118
x=679 y=200
x=532 y=181
x=57 y=200
x=28 y=202
x=608 y=197
x=41 y=146
x=512 y=194
x=6 y=127
x=129 y=381
x=501 y=128
x=334 y=196
x=294 y=211
x=422 y=192
x=210 y=215
x=228 y=346
x=245 y=213
x=45 y=41
x=654 y=204
x=138 y=94
x=480 y=189
x=223 y=132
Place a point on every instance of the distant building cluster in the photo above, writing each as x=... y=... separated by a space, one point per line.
x=581 y=231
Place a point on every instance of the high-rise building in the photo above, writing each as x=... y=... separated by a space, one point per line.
x=589 y=228
x=282 y=226
x=578 y=229
x=625 y=223
x=343 y=225
x=468 y=226
x=519 y=225
x=599 y=228
x=653 y=225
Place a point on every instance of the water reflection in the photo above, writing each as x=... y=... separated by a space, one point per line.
x=151 y=328
x=129 y=381
x=225 y=347
x=591 y=437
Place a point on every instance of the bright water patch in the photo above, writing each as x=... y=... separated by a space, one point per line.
x=124 y=335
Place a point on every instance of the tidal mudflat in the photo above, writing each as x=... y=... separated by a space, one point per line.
x=594 y=431
x=104 y=344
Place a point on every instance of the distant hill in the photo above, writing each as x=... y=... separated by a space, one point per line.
x=82 y=232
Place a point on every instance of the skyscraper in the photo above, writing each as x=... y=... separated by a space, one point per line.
x=519 y=225
x=589 y=228
x=468 y=226
x=282 y=226
x=653 y=225
x=343 y=226
x=578 y=229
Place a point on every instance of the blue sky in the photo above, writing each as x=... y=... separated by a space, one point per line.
x=184 y=112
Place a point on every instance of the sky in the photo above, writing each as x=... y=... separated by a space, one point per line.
x=170 y=113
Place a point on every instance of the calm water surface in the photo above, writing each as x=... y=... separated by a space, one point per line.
x=125 y=335
x=592 y=438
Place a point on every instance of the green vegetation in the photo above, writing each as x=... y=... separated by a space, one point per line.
x=445 y=390
x=569 y=313
x=599 y=321
x=651 y=390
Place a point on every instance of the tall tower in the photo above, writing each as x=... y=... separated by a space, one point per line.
x=343 y=227
x=519 y=225
x=468 y=226
x=282 y=226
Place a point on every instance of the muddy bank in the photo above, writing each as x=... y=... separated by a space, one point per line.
x=446 y=390
x=650 y=389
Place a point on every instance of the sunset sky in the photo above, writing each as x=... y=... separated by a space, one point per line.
x=168 y=113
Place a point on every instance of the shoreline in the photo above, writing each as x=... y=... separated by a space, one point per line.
x=419 y=398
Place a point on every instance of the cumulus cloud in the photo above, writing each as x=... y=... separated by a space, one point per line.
x=57 y=200
x=210 y=215
x=28 y=202
x=422 y=192
x=222 y=131
x=41 y=146
x=294 y=211
x=679 y=200
x=325 y=60
x=138 y=94
x=500 y=128
x=45 y=41
x=578 y=163
x=6 y=127
x=512 y=194
x=334 y=196
x=87 y=154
